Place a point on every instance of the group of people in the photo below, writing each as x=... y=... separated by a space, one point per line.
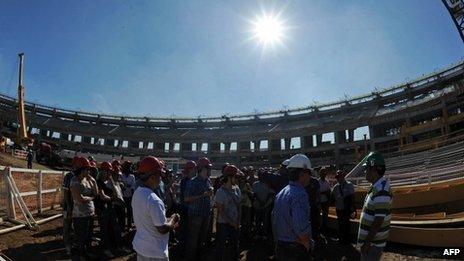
x=286 y=207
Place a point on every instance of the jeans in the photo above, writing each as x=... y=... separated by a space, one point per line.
x=343 y=217
x=246 y=221
x=184 y=225
x=121 y=215
x=315 y=216
x=109 y=228
x=198 y=231
x=373 y=254
x=287 y=251
x=128 y=203
x=144 y=258
x=228 y=239
x=82 y=236
x=260 y=221
x=67 y=227
x=324 y=217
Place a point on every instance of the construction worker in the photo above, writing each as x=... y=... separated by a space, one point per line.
x=187 y=174
x=262 y=204
x=152 y=237
x=93 y=170
x=198 y=196
x=324 y=197
x=128 y=181
x=109 y=228
x=279 y=179
x=83 y=190
x=291 y=214
x=29 y=157
x=120 y=205
x=374 y=222
x=67 y=205
x=313 y=189
x=227 y=201
x=343 y=193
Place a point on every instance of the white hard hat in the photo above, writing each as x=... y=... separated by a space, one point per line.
x=299 y=161
x=285 y=162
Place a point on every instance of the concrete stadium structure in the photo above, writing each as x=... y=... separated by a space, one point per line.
x=395 y=119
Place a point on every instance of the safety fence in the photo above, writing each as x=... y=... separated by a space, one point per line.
x=28 y=193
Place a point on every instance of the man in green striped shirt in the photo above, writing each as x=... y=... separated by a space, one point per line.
x=374 y=224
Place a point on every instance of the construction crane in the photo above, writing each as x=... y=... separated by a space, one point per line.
x=22 y=138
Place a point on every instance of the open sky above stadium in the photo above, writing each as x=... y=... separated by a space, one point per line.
x=192 y=58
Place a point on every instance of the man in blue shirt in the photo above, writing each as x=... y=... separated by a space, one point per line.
x=198 y=195
x=291 y=215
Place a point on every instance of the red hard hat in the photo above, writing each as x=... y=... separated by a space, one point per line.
x=82 y=163
x=106 y=166
x=232 y=171
x=150 y=164
x=116 y=163
x=190 y=165
x=74 y=161
x=93 y=164
x=126 y=164
x=204 y=162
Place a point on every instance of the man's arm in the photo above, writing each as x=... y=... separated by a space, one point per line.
x=376 y=224
x=170 y=225
x=77 y=196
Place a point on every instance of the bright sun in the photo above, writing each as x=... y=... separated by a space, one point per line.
x=268 y=29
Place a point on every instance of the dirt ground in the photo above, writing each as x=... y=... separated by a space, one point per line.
x=46 y=244
x=8 y=160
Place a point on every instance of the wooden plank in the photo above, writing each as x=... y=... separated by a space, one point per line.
x=39 y=192
x=32 y=193
x=418 y=236
x=11 y=212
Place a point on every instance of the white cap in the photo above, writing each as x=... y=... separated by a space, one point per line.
x=285 y=162
x=299 y=161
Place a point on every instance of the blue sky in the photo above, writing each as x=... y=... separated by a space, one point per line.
x=191 y=58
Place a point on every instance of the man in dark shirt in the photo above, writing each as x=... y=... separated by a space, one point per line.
x=279 y=179
x=313 y=190
x=198 y=196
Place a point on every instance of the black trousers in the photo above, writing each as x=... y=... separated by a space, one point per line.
x=82 y=236
x=290 y=251
x=343 y=217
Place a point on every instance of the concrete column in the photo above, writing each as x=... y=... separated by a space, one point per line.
x=287 y=143
x=274 y=145
x=372 y=137
x=159 y=146
x=43 y=133
x=186 y=146
x=338 y=137
x=64 y=136
x=306 y=142
x=244 y=145
x=214 y=147
x=341 y=135
x=351 y=135
x=86 y=139
x=318 y=140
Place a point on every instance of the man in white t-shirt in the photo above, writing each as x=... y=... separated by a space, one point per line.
x=152 y=236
